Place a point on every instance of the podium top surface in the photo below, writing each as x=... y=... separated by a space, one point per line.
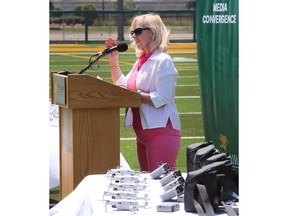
x=81 y=91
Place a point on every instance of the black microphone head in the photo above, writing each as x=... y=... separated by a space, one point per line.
x=122 y=47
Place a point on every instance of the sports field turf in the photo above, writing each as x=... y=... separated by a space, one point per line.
x=74 y=57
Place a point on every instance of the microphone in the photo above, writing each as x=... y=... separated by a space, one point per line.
x=121 y=47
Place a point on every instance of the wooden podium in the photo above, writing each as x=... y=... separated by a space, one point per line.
x=89 y=125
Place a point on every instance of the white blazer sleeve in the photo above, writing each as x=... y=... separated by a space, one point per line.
x=165 y=82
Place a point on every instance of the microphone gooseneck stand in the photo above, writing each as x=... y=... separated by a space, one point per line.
x=91 y=63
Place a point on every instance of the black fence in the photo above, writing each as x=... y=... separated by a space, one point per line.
x=92 y=25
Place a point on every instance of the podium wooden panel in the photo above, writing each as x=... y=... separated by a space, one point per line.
x=89 y=124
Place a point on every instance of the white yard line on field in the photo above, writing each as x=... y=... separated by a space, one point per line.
x=188 y=137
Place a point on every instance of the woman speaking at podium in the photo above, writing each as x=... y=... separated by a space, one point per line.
x=156 y=122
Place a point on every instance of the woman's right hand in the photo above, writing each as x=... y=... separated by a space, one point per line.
x=113 y=56
x=113 y=60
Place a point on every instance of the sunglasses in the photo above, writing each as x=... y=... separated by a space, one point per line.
x=138 y=31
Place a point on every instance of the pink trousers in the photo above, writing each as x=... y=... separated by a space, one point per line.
x=157 y=146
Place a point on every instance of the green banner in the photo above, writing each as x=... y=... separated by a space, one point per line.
x=217 y=44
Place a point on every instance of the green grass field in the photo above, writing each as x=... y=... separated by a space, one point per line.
x=74 y=57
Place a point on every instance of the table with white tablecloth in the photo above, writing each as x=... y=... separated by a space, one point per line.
x=87 y=199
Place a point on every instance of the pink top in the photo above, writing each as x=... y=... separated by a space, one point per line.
x=131 y=84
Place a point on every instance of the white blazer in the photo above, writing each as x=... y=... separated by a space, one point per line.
x=157 y=76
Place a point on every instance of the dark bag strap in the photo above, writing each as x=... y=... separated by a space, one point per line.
x=207 y=204
x=229 y=209
x=198 y=208
x=205 y=199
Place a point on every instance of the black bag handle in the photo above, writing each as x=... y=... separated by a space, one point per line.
x=205 y=200
x=198 y=207
x=207 y=204
x=229 y=209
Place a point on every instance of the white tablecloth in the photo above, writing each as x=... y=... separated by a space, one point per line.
x=87 y=199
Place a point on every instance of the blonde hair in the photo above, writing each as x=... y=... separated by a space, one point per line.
x=160 y=38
